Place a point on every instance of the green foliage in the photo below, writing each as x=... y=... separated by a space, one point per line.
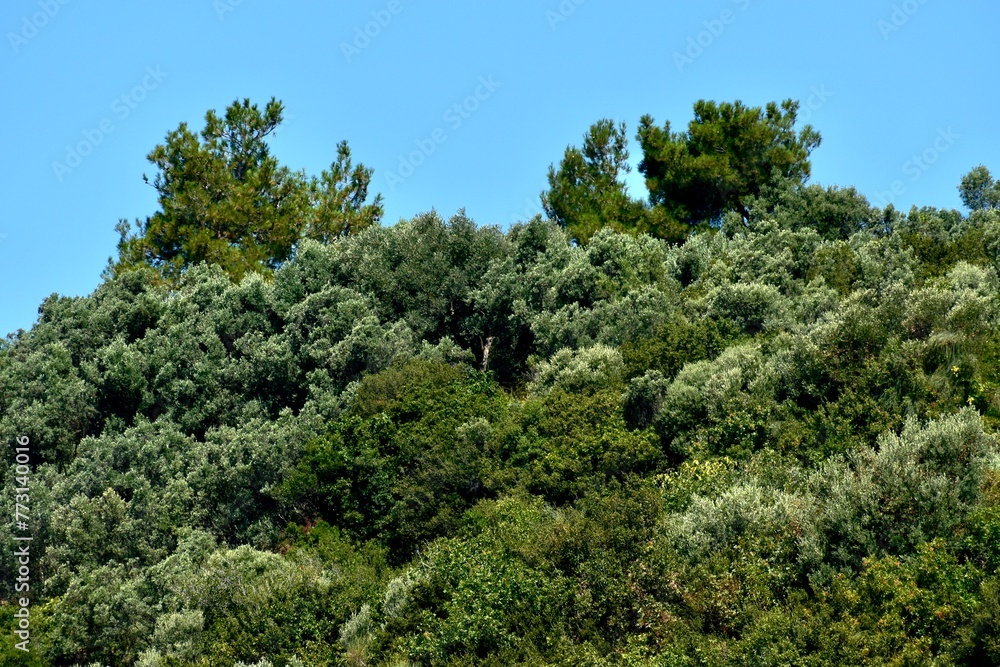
x=835 y=213
x=979 y=191
x=224 y=199
x=729 y=153
x=587 y=192
x=484 y=597
x=671 y=345
x=566 y=443
x=940 y=239
x=406 y=461
x=580 y=371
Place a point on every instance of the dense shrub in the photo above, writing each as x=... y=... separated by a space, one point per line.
x=443 y=444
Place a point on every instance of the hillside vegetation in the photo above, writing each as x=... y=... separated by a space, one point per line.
x=747 y=422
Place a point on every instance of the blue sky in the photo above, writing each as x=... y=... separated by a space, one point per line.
x=904 y=94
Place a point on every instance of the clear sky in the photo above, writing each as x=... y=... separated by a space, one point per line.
x=904 y=94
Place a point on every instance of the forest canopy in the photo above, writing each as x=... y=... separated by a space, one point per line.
x=748 y=421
